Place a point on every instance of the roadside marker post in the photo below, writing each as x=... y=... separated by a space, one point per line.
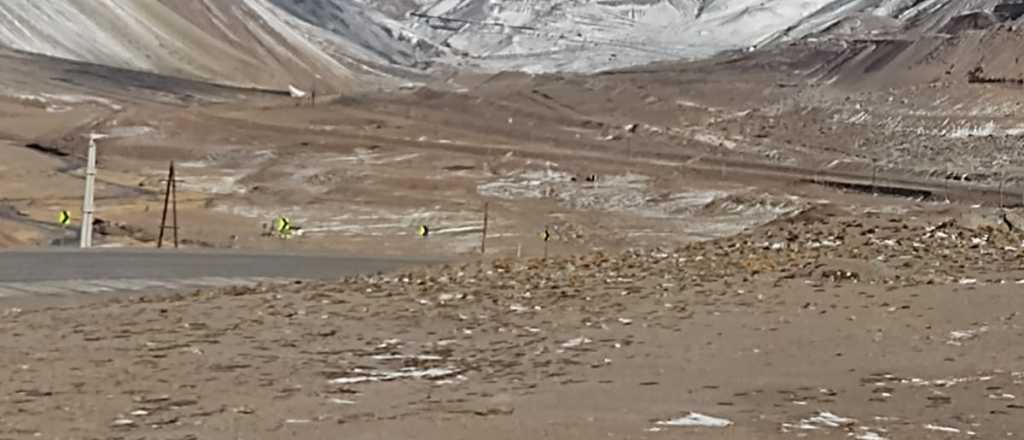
x=483 y=235
x=546 y=236
x=283 y=226
x=64 y=218
x=874 y=177
x=945 y=183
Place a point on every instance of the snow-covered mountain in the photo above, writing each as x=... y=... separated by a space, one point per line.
x=266 y=43
x=585 y=35
x=273 y=43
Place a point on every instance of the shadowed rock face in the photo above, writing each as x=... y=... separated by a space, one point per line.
x=1010 y=10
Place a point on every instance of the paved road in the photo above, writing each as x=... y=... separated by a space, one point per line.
x=55 y=272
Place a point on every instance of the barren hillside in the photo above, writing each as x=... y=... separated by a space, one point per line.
x=274 y=43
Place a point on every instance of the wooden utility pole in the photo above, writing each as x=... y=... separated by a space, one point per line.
x=88 y=208
x=483 y=235
x=170 y=198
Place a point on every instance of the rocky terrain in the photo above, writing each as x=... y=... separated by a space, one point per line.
x=829 y=323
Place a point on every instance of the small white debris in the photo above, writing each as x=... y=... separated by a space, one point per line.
x=968 y=281
x=1002 y=396
x=297 y=421
x=696 y=419
x=385 y=376
x=869 y=435
x=454 y=380
x=12 y=311
x=123 y=422
x=389 y=342
x=826 y=419
x=931 y=427
x=139 y=413
x=786 y=427
x=625 y=321
x=957 y=337
x=575 y=342
x=338 y=401
x=420 y=357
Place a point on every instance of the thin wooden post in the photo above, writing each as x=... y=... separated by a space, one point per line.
x=946 y=185
x=546 y=237
x=483 y=235
x=874 y=177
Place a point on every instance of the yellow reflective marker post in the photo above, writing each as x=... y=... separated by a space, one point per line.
x=283 y=226
x=64 y=218
x=424 y=231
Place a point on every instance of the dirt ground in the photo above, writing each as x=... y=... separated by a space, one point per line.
x=738 y=251
x=831 y=324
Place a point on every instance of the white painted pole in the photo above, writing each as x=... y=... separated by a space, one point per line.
x=88 y=208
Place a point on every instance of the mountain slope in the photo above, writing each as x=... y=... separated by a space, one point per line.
x=245 y=43
x=340 y=43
